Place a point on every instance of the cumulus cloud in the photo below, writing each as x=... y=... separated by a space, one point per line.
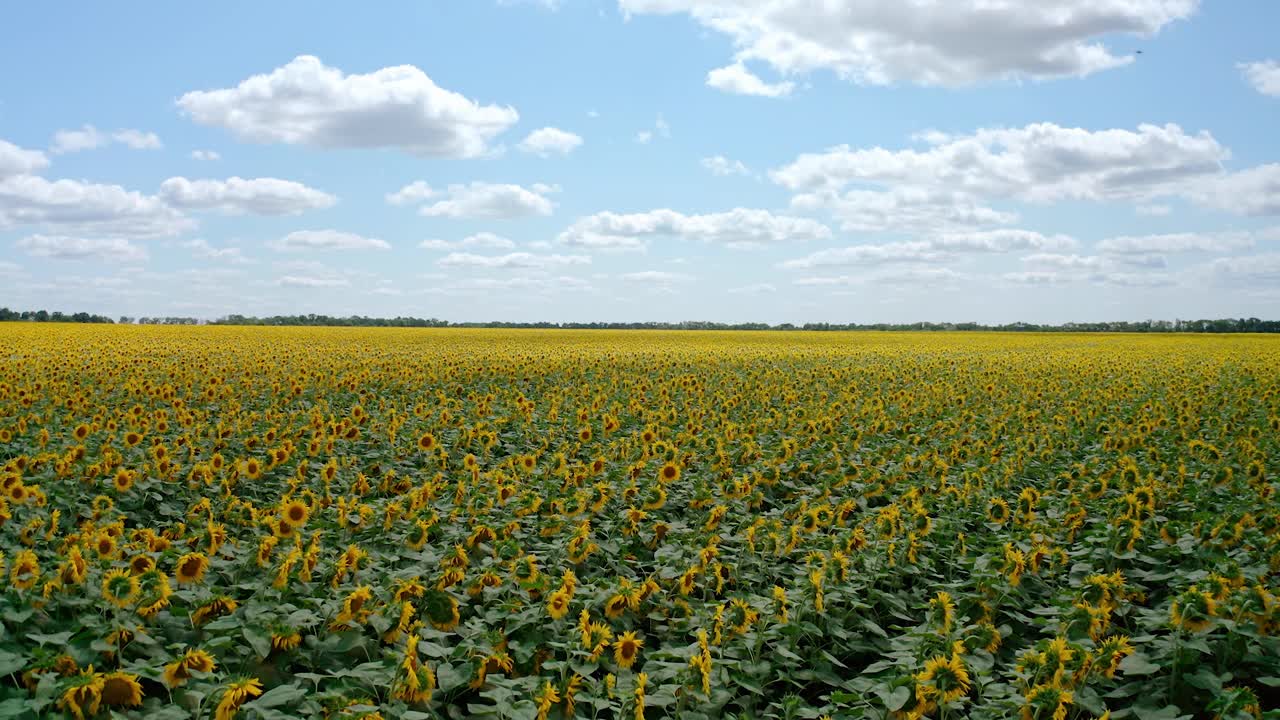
x=17 y=161
x=1042 y=162
x=308 y=103
x=1259 y=271
x=1254 y=191
x=81 y=208
x=518 y=260
x=235 y=195
x=757 y=289
x=1176 y=243
x=549 y=141
x=955 y=43
x=902 y=209
x=722 y=166
x=205 y=155
x=869 y=255
x=655 y=278
x=1263 y=75
x=479 y=240
x=307 y=240
x=740 y=227
x=951 y=181
x=90 y=137
x=311 y=281
x=61 y=247
x=202 y=250
x=493 y=201
x=738 y=80
x=932 y=250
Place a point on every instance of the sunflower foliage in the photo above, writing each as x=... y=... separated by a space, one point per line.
x=381 y=523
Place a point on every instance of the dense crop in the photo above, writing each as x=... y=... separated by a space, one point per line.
x=267 y=523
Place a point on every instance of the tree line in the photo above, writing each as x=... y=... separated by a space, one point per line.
x=1221 y=325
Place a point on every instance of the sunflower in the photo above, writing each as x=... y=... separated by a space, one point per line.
x=131 y=439
x=441 y=609
x=295 y=513
x=216 y=608
x=1193 y=610
x=104 y=545
x=669 y=472
x=179 y=671
x=998 y=511
x=140 y=564
x=121 y=689
x=155 y=592
x=427 y=442
x=120 y=588
x=944 y=678
x=26 y=570
x=235 y=695
x=1045 y=702
x=626 y=649
x=252 y=468
x=285 y=639
x=191 y=567
x=558 y=604
x=944 y=610
x=84 y=695
x=122 y=481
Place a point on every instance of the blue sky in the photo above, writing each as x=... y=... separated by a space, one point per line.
x=731 y=160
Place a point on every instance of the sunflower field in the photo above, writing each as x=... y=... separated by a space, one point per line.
x=220 y=522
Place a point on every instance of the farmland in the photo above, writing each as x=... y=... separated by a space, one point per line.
x=404 y=523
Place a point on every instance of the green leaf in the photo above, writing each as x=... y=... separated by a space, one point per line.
x=258 y=640
x=1138 y=664
x=51 y=639
x=277 y=696
x=897 y=698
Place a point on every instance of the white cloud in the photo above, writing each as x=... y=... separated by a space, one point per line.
x=137 y=139
x=518 y=260
x=1176 y=243
x=63 y=247
x=932 y=250
x=1262 y=271
x=1065 y=262
x=953 y=43
x=1153 y=210
x=660 y=129
x=479 y=240
x=308 y=103
x=17 y=161
x=87 y=209
x=757 y=289
x=1003 y=240
x=90 y=137
x=205 y=155
x=549 y=141
x=919 y=277
x=1038 y=277
x=740 y=227
x=328 y=240
x=494 y=201
x=1255 y=191
x=908 y=252
x=415 y=192
x=655 y=277
x=260 y=196
x=722 y=166
x=8 y=269
x=902 y=209
x=1264 y=76
x=1041 y=162
x=1133 y=280
x=737 y=79
x=309 y=281
x=202 y=250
